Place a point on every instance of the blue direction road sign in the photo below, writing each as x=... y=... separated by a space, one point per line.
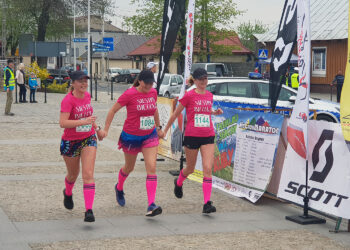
x=100 y=49
x=99 y=45
x=108 y=41
x=80 y=40
x=263 y=53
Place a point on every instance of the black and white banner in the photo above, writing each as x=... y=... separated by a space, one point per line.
x=174 y=14
x=329 y=171
x=286 y=39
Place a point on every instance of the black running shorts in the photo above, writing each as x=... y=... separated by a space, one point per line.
x=192 y=142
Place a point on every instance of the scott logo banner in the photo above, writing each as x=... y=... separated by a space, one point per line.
x=329 y=171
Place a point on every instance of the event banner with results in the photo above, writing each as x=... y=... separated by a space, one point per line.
x=245 y=148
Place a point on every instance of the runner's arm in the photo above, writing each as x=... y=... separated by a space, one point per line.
x=172 y=118
x=66 y=123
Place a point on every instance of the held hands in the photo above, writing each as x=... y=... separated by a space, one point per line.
x=218 y=111
x=101 y=134
x=160 y=134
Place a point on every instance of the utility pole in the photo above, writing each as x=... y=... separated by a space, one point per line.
x=3 y=34
x=74 y=48
x=103 y=53
x=89 y=47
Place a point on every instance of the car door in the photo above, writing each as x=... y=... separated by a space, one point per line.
x=180 y=82
x=173 y=85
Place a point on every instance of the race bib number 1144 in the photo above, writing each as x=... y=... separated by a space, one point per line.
x=201 y=121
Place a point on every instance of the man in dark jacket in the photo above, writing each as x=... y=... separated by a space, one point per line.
x=339 y=79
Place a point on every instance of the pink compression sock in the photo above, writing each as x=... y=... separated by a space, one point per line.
x=151 y=186
x=89 y=195
x=181 y=178
x=207 y=183
x=69 y=187
x=121 y=179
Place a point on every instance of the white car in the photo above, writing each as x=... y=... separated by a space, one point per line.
x=249 y=93
x=171 y=85
x=112 y=73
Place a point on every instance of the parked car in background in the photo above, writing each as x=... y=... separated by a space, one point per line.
x=127 y=75
x=250 y=93
x=112 y=73
x=60 y=75
x=213 y=69
x=171 y=84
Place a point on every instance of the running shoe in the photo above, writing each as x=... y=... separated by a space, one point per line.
x=68 y=200
x=208 y=208
x=119 y=196
x=177 y=190
x=153 y=210
x=89 y=216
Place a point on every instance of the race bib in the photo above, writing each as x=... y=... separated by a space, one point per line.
x=83 y=128
x=146 y=122
x=201 y=121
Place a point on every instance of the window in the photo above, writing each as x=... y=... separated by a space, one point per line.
x=222 y=89
x=179 y=80
x=165 y=80
x=173 y=81
x=211 y=88
x=51 y=60
x=240 y=89
x=285 y=94
x=319 y=56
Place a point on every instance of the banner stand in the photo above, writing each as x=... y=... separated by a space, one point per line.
x=306 y=219
x=182 y=160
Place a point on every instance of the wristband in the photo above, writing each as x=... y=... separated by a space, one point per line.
x=159 y=128
x=98 y=128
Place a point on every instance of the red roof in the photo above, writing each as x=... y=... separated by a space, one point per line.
x=152 y=46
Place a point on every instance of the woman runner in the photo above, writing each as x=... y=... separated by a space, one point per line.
x=199 y=134
x=140 y=134
x=79 y=141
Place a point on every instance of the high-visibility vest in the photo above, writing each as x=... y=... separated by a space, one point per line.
x=11 y=80
x=295 y=81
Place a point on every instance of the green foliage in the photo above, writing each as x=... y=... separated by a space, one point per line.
x=209 y=17
x=246 y=33
x=57 y=88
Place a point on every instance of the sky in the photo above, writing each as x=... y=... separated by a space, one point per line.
x=266 y=11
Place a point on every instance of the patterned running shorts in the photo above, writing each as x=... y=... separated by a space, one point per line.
x=74 y=148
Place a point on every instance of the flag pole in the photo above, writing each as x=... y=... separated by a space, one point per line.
x=300 y=123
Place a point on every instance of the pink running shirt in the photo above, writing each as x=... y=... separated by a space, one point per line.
x=78 y=109
x=140 y=109
x=198 y=113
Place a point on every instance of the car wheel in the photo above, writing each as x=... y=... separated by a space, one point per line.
x=324 y=118
x=167 y=95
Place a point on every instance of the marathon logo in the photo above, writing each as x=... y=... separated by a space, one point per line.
x=258 y=128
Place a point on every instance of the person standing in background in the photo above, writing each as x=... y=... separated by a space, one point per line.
x=339 y=80
x=152 y=66
x=33 y=84
x=21 y=79
x=9 y=85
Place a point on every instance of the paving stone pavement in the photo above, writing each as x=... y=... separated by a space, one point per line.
x=32 y=215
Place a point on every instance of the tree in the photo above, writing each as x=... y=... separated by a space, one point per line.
x=246 y=32
x=213 y=20
x=46 y=18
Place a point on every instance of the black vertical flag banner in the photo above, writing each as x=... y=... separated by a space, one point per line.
x=173 y=16
x=286 y=40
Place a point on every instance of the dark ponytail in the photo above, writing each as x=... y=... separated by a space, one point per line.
x=136 y=82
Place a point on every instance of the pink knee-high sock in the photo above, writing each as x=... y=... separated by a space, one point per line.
x=151 y=186
x=121 y=179
x=69 y=186
x=89 y=195
x=207 y=183
x=181 y=178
